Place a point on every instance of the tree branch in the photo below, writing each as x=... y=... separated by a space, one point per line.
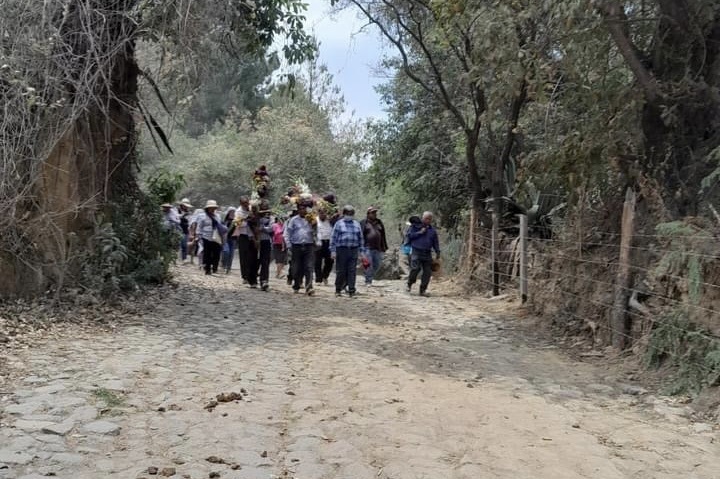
x=613 y=13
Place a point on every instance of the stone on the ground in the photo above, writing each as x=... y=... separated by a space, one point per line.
x=60 y=429
x=14 y=457
x=102 y=427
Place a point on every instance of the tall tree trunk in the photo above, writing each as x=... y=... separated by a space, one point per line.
x=92 y=163
x=478 y=214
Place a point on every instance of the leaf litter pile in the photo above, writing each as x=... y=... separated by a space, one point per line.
x=25 y=324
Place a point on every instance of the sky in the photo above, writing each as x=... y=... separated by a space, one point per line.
x=351 y=50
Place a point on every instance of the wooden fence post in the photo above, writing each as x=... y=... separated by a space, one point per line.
x=620 y=320
x=494 y=253
x=523 y=258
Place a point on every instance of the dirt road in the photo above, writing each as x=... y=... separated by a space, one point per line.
x=385 y=385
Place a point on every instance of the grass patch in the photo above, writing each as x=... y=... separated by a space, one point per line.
x=109 y=398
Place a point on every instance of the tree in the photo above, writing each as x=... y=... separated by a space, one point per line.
x=294 y=135
x=474 y=59
x=70 y=87
x=672 y=49
x=419 y=149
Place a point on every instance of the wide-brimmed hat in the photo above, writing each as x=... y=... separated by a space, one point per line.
x=211 y=204
x=166 y=205
x=186 y=202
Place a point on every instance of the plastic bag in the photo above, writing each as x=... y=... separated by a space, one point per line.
x=365 y=262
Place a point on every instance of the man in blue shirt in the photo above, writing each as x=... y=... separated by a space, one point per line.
x=299 y=235
x=345 y=243
x=423 y=240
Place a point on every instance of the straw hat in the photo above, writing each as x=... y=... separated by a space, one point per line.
x=211 y=204
x=186 y=202
x=166 y=205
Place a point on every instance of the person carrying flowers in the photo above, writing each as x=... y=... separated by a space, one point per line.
x=299 y=235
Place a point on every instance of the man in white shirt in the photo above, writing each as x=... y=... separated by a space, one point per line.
x=323 y=259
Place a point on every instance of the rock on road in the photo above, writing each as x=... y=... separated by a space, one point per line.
x=219 y=380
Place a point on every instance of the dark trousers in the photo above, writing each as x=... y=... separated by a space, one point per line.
x=290 y=267
x=345 y=269
x=211 y=255
x=264 y=259
x=184 y=246
x=323 y=262
x=302 y=265
x=420 y=260
x=248 y=258
x=228 y=253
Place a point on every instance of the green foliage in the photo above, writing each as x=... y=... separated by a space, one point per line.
x=163 y=186
x=711 y=180
x=293 y=136
x=112 y=402
x=102 y=267
x=693 y=353
x=418 y=155
x=689 y=250
x=129 y=249
x=109 y=398
x=212 y=59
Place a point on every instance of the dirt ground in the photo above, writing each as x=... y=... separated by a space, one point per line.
x=213 y=379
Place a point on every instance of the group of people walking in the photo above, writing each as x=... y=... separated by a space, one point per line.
x=313 y=242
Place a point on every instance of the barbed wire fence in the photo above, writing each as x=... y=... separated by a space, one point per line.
x=656 y=293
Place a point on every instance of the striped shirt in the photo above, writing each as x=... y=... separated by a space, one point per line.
x=346 y=234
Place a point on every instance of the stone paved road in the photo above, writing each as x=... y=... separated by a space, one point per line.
x=384 y=386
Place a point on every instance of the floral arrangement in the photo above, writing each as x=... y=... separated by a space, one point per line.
x=300 y=193
x=324 y=205
x=311 y=217
x=261 y=180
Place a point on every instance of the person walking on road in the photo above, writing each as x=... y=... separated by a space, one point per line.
x=185 y=217
x=279 y=252
x=265 y=227
x=247 y=250
x=345 y=243
x=373 y=231
x=210 y=229
x=299 y=235
x=228 y=250
x=323 y=258
x=423 y=241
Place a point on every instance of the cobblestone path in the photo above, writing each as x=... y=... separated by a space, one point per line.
x=218 y=380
